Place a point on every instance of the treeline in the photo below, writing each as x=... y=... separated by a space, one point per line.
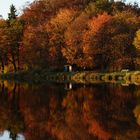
x=102 y=35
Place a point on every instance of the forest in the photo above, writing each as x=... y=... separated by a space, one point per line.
x=100 y=35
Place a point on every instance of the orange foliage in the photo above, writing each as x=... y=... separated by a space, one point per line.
x=97 y=130
x=34 y=46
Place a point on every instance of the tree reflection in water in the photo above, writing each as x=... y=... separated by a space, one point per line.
x=48 y=112
x=11 y=117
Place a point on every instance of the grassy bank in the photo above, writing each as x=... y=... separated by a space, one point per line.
x=39 y=76
x=124 y=78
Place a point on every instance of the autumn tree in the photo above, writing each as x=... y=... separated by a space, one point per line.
x=109 y=41
x=35 y=47
x=73 y=50
x=3 y=45
x=131 y=22
x=35 y=13
x=96 y=41
x=137 y=40
x=56 y=28
x=136 y=43
x=92 y=34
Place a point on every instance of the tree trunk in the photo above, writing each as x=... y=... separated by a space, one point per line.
x=15 y=67
x=2 y=66
x=14 y=63
x=18 y=64
x=18 y=61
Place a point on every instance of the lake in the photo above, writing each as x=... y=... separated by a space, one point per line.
x=55 y=111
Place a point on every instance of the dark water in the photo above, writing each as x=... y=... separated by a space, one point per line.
x=83 y=112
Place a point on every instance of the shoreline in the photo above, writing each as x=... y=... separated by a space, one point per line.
x=83 y=77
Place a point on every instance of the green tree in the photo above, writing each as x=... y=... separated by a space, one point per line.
x=12 y=14
x=14 y=29
x=95 y=7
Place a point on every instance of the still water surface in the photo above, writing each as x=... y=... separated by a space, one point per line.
x=83 y=112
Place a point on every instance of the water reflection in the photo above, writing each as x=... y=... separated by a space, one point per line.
x=6 y=135
x=68 y=86
x=11 y=116
x=89 y=112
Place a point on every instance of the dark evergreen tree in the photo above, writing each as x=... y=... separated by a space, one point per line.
x=12 y=14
